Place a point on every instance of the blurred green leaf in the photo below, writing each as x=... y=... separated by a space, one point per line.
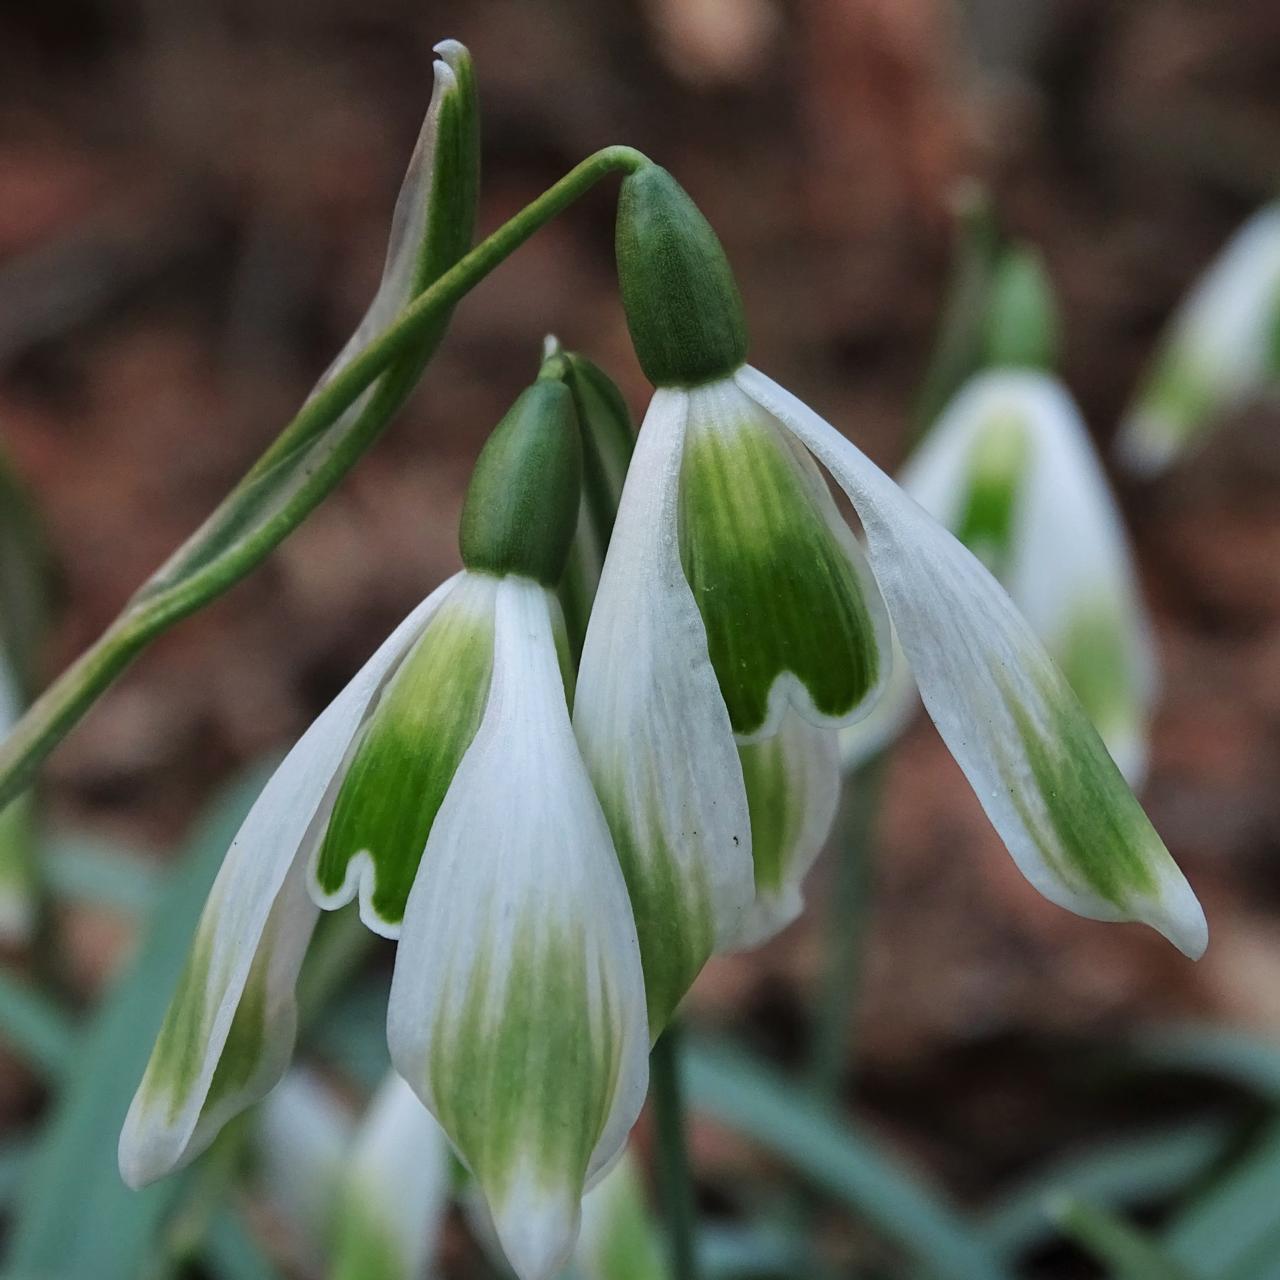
x=35 y=1028
x=75 y=1219
x=24 y=580
x=100 y=873
x=231 y=1253
x=740 y=1091
x=352 y=1035
x=1134 y=1170
x=1235 y=1056
x=1225 y=1226
x=1128 y=1253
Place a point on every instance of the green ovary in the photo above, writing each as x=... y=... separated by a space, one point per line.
x=408 y=753
x=1096 y=830
x=522 y=1076
x=775 y=587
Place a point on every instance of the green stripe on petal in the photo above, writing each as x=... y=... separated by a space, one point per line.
x=997 y=461
x=655 y=733
x=408 y=752
x=517 y=1005
x=774 y=577
x=1004 y=710
x=1091 y=827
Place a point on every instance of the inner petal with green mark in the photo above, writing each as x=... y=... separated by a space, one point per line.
x=405 y=759
x=787 y=606
x=996 y=464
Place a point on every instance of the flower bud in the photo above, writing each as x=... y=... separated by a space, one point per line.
x=522 y=505
x=682 y=303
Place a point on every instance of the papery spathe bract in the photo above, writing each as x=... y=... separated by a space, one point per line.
x=1221 y=348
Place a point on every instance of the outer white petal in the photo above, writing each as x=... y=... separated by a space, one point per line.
x=655 y=732
x=517 y=1006
x=1218 y=349
x=1069 y=566
x=303 y=1135
x=249 y=945
x=793 y=789
x=396 y=1190
x=990 y=689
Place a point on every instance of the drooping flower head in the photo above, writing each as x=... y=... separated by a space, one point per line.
x=733 y=596
x=1221 y=349
x=444 y=790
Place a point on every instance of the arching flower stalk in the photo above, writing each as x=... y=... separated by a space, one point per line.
x=444 y=790
x=733 y=595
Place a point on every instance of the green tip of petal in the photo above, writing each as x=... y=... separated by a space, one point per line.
x=521 y=509
x=682 y=303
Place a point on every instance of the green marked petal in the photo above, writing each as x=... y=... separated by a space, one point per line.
x=655 y=733
x=228 y=1033
x=1005 y=711
x=793 y=790
x=789 y=614
x=517 y=1005
x=409 y=749
x=997 y=463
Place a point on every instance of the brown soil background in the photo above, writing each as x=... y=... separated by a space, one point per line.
x=193 y=211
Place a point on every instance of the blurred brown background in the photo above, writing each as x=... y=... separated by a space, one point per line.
x=193 y=210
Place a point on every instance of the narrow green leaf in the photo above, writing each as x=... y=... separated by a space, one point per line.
x=1223 y=1227
x=1129 y=1254
x=24 y=579
x=76 y=1220
x=85 y=869
x=35 y=1028
x=230 y=1251
x=1243 y=1059
x=1126 y=1171
x=747 y=1095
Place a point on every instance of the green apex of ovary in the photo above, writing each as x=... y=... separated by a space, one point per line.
x=521 y=508
x=681 y=300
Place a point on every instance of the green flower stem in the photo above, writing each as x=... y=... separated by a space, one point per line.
x=162 y=603
x=674 y=1180
x=848 y=913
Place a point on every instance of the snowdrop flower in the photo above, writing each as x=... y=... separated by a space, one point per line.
x=1010 y=470
x=1221 y=349
x=733 y=595
x=443 y=788
x=395 y=1192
